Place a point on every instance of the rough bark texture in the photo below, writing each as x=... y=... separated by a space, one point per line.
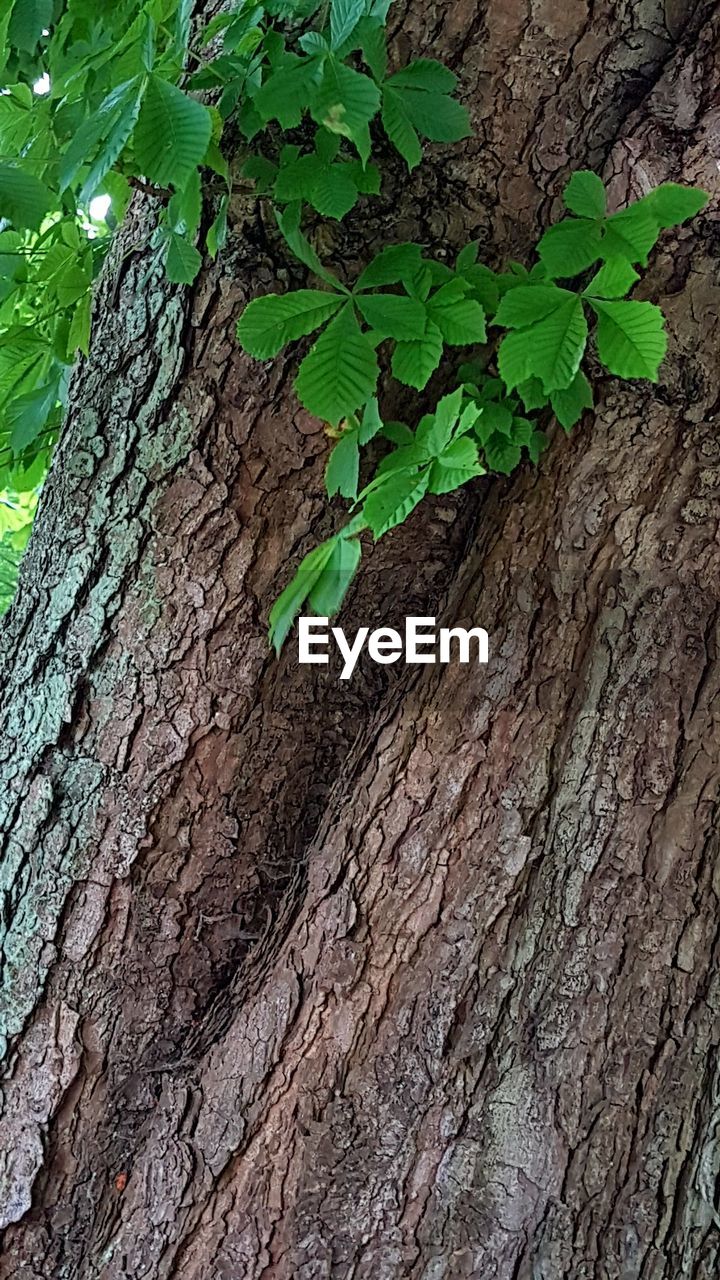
x=415 y=975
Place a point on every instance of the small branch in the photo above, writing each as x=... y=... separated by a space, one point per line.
x=161 y=193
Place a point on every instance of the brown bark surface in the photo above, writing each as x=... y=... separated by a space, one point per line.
x=414 y=975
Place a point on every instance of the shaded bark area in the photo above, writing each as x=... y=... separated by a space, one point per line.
x=416 y=975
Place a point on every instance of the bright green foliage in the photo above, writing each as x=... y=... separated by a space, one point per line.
x=96 y=101
x=414 y=362
x=89 y=99
x=344 y=17
x=393 y=315
x=569 y=404
x=343 y=467
x=628 y=236
x=502 y=429
x=171 y=135
x=631 y=338
x=417 y=101
x=24 y=199
x=322 y=580
x=330 y=184
x=437 y=458
x=420 y=306
x=340 y=372
x=671 y=204
x=570 y=247
x=437 y=308
x=16 y=517
x=614 y=279
x=551 y=346
x=269 y=323
x=121 y=110
x=263 y=79
x=585 y=195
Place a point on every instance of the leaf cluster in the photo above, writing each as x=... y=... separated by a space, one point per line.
x=405 y=309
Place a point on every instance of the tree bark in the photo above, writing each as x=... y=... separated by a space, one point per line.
x=417 y=974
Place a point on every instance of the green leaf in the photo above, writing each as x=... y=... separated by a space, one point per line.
x=468 y=418
x=79 y=332
x=521 y=430
x=535 y=445
x=502 y=454
x=343 y=468
x=427 y=74
x=585 y=195
x=467 y=256
x=399 y=128
x=291 y=600
x=346 y=102
x=289 y=224
x=217 y=231
x=24 y=199
x=393 y=500
x=484 y=285
x=183 y=261
x=630 y=234
x=242 y=33
x=410 y=458
x=527 y=304
x=371 y=35
x=182 y=24
x=333 y=192
x=331 y=587
x=414 y=362
x=327 y=145
x=568 y=404
x=393 y=265
x=550 y=350
x=371 y=421
x=366 y=177
x=671 y=203
x=288 y=92
x=532 y=395
x=631 y=338
x=434 y=115
x=313 y=42
x=340 y=372
x=172 y=133
x=495 y=417
x=436 y=430
x=185 y=207
x=28 y=21
x=116 y=139
x=268 y=324
x=393 y=316
x=570 y=247
x=458 y=464
x=92 y=132
x=118 y=188
x=460 y=320
x=613 y=280
x=27 y=414
x=398 y=433
x=344 y=17
x=70 y=284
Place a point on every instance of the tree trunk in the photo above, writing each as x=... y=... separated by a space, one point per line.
x=416 y=974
